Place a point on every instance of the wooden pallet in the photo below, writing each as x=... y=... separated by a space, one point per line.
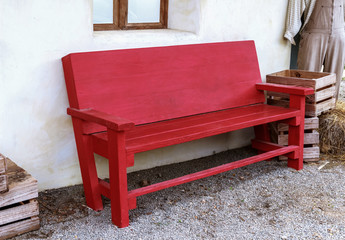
x=322 y=83
x=3 y=175
x=18 y=206
x=311 y=139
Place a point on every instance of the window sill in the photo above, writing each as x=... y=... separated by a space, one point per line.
x=140 y=38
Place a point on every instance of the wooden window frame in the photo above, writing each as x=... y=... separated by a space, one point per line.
x=120 y=18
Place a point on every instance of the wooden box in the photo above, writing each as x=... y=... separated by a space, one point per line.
x=311 y=139
x=3 y=175
x=322 y=83
x=18 y=206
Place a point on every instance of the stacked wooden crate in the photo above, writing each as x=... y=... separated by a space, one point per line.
x=311 y=151
x=18 y=205
x=323 y=100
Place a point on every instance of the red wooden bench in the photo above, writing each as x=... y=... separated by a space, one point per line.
x=123 y=102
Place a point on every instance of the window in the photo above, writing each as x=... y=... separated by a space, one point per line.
x=129 y=14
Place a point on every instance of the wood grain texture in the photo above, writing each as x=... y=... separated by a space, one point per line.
x=3 y=184
x=144 y=85
x=3 y=164
x=17 y=228
x=309 y=138
x=21 y=186
x=19 y=212
x=309 y=154
x=309 y=124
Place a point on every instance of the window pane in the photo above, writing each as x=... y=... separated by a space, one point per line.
x=143 y=11
x=102 y=11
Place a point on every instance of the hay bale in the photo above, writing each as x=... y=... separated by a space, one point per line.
x=332 y=131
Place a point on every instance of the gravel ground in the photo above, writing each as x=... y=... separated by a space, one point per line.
x=266 y=200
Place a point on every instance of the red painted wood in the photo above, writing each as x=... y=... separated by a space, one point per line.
x=153 y=84
x=87 y=167
x=296 y=133
x=118 y=178
x=107 y=120
x=285 y=89
x=210 y=172
x=265 y=146
x=176 y=131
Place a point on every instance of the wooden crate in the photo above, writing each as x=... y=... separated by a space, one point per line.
x=3 y=175
x=311 y=139
x=18 y=206
x=322 y=83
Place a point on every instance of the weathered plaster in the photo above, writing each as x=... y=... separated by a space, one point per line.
x=35 y=131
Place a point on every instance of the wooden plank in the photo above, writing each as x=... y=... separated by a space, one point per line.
x=21 y=186
x=324 y=106
x=19 y=211
x=309 y=154
x=309 y=138
x=18 y=228
x=324 y=94
x=3 y=165
x=211 y=171
x=3 y=183
x=309 y=124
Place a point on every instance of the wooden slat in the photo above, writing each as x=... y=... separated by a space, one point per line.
x=311 y=110
x=309 y=138
x=19 y=212
x=309 y=154
x=210 y=172
x=3 y=184
x=324 y=94
x=18 y=228
x=324 y=106
x=21 y=186
x=309 y=123
x=161 y=134
x=3 y=165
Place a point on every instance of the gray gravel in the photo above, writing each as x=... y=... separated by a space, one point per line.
x=266 y=200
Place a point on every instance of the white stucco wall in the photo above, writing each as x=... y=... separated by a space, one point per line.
x=35 y=131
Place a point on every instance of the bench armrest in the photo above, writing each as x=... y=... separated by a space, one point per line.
x=302 y=91
x=107 y=120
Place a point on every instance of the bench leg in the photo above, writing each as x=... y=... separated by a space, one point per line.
x=118 y=178
x=296 y=137
x=87 y=167
x=296 y=133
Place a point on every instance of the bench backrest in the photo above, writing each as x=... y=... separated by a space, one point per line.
x=154 y=84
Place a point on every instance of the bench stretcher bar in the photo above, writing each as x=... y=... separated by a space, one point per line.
x=278 y=150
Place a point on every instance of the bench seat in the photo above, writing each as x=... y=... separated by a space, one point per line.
x=165 y=133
